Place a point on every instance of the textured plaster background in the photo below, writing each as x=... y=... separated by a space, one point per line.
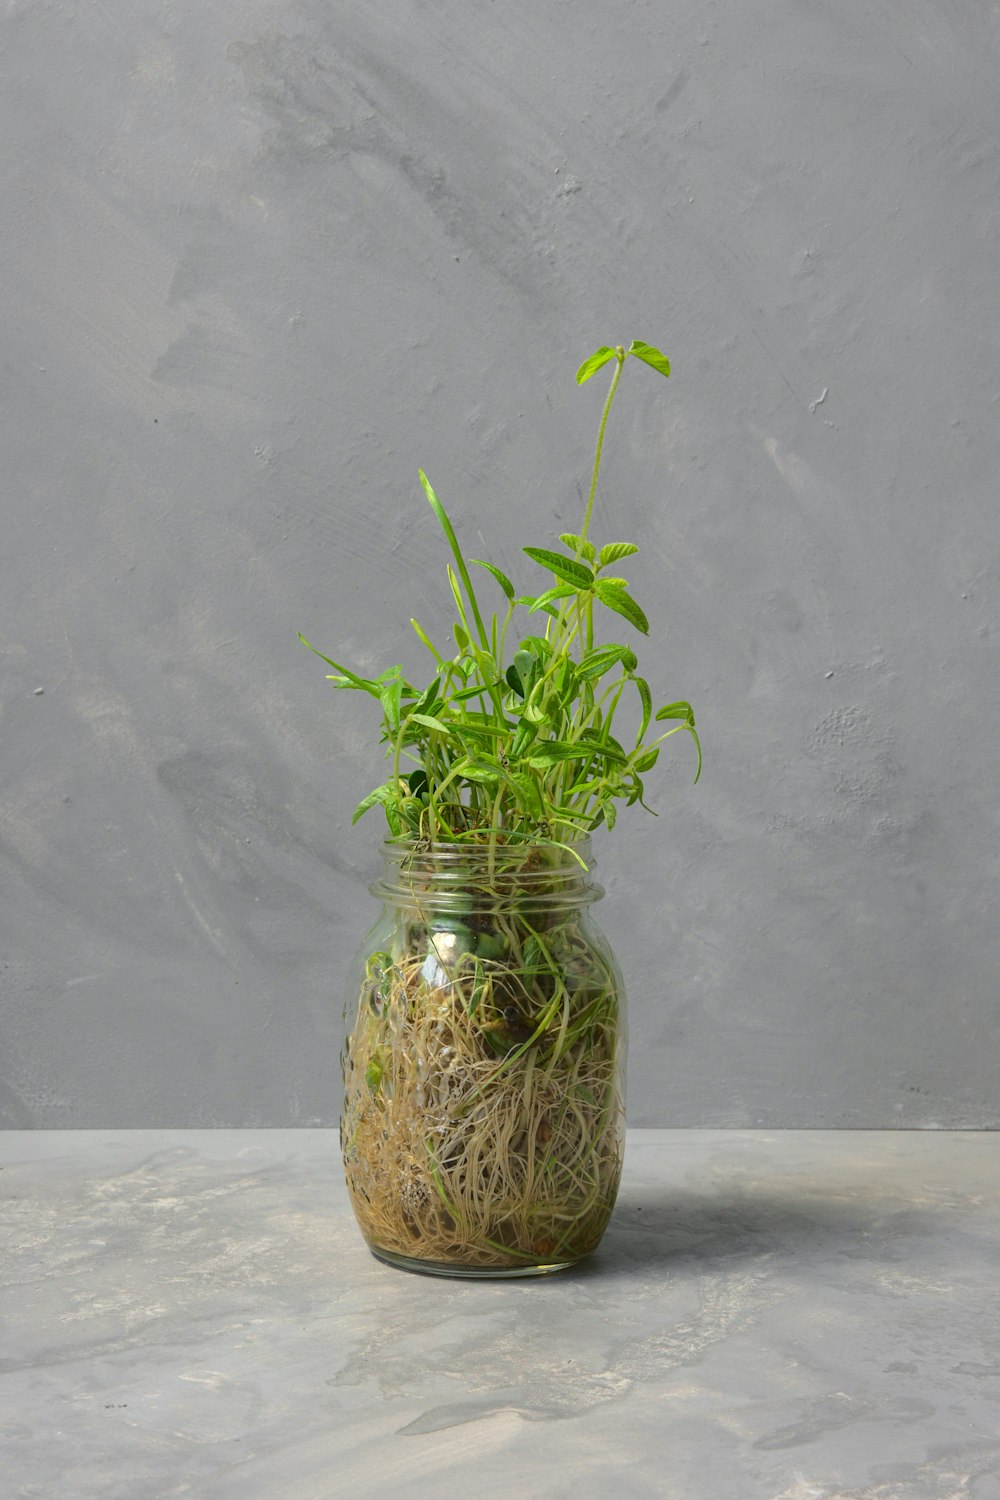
x=259 y=261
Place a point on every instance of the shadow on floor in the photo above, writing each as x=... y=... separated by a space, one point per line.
x=671 y=1228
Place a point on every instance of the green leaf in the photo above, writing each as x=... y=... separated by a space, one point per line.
x=650 y=356
x=351 y=679
x=449 y=532
x=563 y=567
x=412 y=813
x=483 y=775
x=583 y=788
x=538 y=645
x=427 y=698
x=565 y=683
x=679 y=710
x=475 y=727
x=612 y=551
x=530 y=603
x=648 y=761
x=608 y=748
x=483 y=660
x=551 y=596
x=428 y=721
x=501 y=578
x=552 y=751
x=685 y=713
x=697 y=743
x=647 y=706
x=417 y=782
x=526 y=667
x=522 y=673
x=618 y=599
x=513 y=680
x=529 y=793
x=421 y=635
x=474 y=692
x=385 y=794
x=577 y=545
x=390 y=698
x=526 y=734
x=594 y=363
x=600 y=660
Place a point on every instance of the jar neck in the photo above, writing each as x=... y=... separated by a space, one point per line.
x=527 y=873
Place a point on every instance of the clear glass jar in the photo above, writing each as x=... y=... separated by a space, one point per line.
x=484 y=1062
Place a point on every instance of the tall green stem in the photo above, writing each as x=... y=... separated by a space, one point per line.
x=620 y=357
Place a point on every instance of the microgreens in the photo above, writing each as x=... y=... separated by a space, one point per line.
x=518 y=738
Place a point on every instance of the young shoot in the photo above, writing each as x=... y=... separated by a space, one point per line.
x=515 y=737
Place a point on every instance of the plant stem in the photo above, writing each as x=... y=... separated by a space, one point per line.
x=620 y=357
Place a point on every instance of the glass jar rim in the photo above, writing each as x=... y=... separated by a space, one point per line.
x=541 y=871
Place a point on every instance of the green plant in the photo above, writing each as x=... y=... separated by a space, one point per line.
x=517 y=741
x=483 y=1114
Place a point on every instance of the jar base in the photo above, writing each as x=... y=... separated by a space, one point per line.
x=469 y=1273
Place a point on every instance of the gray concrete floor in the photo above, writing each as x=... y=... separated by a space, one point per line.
x=786 y=1316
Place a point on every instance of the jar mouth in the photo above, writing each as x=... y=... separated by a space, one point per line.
x=432 y=874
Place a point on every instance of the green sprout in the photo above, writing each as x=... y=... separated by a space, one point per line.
x=513 y=737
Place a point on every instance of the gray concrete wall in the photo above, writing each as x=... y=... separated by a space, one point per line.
x=262 y=260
